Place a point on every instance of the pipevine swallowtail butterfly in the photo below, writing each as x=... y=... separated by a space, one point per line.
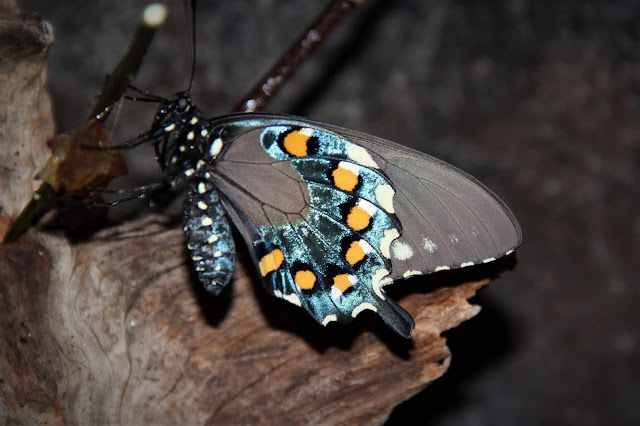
x=330 y=215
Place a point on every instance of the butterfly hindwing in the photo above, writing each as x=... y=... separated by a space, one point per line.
x=319 y=238
x=331 y=215
x=332 y=269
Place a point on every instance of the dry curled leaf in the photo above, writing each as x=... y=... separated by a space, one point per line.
x=79 y=159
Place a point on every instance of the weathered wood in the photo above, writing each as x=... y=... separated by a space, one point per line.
x=114 y=330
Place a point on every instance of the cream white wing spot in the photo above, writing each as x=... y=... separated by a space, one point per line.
x=206 y=221
x=401 y=250
x=411 y=273
x=292 y=298
x=361 y=156
x=385 y=243
x=365 y=246
x=363 y=307
x=307 y=131
x=465 y=264
x=335 y=293
x=367 y=206
x=353 y=168
x=441 y=268
x=429 y=245
x=384 y=197
x=328 y=319
x=377 y=281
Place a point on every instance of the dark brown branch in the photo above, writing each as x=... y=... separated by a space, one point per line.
x=306 y=44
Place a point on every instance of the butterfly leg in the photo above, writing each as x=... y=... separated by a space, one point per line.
x=126 y=193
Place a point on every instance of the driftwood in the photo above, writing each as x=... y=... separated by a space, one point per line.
x=112 y=329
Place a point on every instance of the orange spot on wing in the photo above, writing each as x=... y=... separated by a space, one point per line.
x=296 y=142
x=342 y=282
x=305 y=280
x=358 y=218
x=270 y=262
x=355 y=253
x=344 y=179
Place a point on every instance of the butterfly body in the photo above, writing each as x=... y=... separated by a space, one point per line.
x=330 y=215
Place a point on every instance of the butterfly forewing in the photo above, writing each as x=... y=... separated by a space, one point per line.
x=449 y=219
x=330 y=216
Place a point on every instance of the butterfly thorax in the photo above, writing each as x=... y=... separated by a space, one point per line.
x=185 y=145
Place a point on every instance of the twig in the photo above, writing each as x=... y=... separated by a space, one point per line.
x=279 y=74
x=114 y=84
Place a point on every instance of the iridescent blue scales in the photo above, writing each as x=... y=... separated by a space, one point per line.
x=330 y=216
x=332 y=261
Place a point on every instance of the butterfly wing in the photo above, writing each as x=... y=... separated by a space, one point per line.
x=449 y=219
x=331 y=216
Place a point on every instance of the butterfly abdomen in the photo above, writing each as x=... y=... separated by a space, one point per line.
x=209 y=237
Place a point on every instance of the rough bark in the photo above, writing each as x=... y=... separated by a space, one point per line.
x=113 y=329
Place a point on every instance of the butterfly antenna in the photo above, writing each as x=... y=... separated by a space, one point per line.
x=147 y=96
x=192 y=41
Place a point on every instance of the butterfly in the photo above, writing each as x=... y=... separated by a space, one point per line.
x=330 y=215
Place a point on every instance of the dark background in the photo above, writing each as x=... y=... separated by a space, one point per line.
x=540 y=100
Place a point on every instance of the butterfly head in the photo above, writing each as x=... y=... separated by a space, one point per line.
x=180 y=136
x=173 y=113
